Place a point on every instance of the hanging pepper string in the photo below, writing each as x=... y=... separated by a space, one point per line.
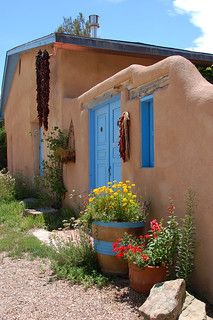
x=43 y=87
x=124 y=145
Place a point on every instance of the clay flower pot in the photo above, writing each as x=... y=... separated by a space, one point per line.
x=143 y=279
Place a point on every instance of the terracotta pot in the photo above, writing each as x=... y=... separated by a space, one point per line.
x=143 y=279
x=104 y=234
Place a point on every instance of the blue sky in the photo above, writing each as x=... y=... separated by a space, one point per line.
x=172 y=23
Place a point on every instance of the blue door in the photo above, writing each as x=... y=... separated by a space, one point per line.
x=105 y=162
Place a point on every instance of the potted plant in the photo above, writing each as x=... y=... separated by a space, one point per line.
x=58 y=143
x=149 y=255
x=113 y=210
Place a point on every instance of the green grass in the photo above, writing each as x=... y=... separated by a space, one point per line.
x=11 y=217
x=17 y=244
x=74 y=262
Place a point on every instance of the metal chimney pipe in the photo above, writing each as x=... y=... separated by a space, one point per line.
x=94 y=25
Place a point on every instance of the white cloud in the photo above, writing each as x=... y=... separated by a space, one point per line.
x=200 y=12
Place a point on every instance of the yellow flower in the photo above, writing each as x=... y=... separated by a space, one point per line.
x=124 y=199
x=109 y=183
x=115 y=194
x=91 y=199
x=125 y=190
x=127 y=181
x=129 y=194
x=133 y=184
x=134 y=196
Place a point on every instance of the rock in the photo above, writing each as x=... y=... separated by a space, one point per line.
x=39 y=211
x=30 y=202
x=193 y=309
x=165 y=301
x=43 y=235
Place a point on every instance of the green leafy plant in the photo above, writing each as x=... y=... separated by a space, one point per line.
x=115 y=202
x=57 y=138
x=3 y=147
x=207 y=72
x=57 y=220
x=23 y=186
x=155 y=248
x=172 y=244
x=53 y=168
x=7 y=187
x=186 y=244
x=76 y=261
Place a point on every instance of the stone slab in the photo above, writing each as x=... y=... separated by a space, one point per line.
x=193 y=309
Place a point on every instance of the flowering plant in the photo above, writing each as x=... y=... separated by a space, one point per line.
x=158 y=246
x=115 y=202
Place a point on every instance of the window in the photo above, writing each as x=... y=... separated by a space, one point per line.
x=147 y=132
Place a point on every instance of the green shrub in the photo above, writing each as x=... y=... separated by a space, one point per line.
x=23 y=187
x=7 y=187
x=56 y=220
x=3 y=147
x=207 y=72
x=186 y=244
x=53 y=168
x=77 y=262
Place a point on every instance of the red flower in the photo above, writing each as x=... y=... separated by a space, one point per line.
x=171 y=209
x=147 y=236
x=119 y=255
x=144 y=257
x=155 y=225
x=135 y=249
x=114 y=245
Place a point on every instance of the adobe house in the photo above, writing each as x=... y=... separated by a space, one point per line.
x=92 y=82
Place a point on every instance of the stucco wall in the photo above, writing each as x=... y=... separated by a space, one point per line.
x=72 y=72
x=21 y=115
x=183 y=115
x=81 y=70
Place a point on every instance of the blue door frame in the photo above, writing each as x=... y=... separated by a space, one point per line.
x=103 y=129
x=41 y=169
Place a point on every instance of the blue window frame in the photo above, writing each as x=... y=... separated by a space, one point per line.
x=147 y=132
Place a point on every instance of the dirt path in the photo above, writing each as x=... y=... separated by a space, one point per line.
x=28 y=292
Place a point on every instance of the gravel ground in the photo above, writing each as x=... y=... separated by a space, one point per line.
x=29 y=292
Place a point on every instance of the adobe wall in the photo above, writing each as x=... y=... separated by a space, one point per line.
x=21 y=115
x=183 y=133
x=183 y=114
x=82 y=69
x=72 y=72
